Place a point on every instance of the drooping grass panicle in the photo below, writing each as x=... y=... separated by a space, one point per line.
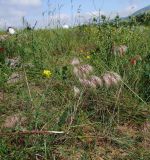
x=76 y=91
x=119 y=50
x=96 y=80
x=111 y=78
x=87 y=83
x=75 y=62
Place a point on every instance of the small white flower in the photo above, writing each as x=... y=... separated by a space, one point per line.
x=11 y=30
x=76 y=91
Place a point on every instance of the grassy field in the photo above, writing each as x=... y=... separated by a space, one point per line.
x=105 y=123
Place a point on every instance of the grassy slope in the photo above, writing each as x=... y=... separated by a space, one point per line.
x=101 y=124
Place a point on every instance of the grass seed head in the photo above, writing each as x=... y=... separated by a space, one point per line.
x=96 y=80
x=85 y=69
x=75 y=62
x=76 y=91
x=87 y=83
x=119 y=50
x=111 y=78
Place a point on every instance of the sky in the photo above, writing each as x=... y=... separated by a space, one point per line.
x=69 y=12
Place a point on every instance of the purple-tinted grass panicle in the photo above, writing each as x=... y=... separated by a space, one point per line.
x=96 y=80
x=111 y=78
x=85 y=69
x=87 y=83
x=81 y=71
x=119 y=50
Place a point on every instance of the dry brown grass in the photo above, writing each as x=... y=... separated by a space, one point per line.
x=14 y=120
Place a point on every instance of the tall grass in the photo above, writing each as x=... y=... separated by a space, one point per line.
x=104 y=123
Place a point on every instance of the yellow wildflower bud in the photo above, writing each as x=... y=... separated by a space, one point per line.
x=88 y=57
x=81 y=50
x=47 y=73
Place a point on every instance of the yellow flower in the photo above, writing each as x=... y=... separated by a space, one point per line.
x=88 y=57
x=47 y=73
x=81 y=51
